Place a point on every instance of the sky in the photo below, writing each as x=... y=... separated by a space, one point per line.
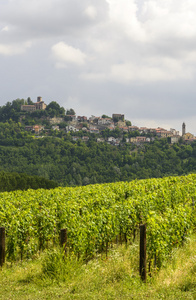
x=133 y=57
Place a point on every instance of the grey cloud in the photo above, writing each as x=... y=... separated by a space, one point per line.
x=48 y=18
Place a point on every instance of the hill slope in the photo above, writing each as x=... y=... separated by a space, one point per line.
x=79 y=163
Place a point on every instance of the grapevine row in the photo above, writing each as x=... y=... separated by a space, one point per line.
x=96 y=215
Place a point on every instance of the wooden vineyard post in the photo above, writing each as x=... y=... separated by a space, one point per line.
x=63 y=239
x=143 y=252
x=2 y=246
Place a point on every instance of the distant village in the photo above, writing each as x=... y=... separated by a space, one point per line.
x=96 y=125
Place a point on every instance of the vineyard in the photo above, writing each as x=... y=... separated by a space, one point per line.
x=98 y=216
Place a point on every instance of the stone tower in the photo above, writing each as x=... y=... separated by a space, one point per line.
x=39 y=99
x=183 y=128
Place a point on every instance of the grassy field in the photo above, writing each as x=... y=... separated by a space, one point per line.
x=50 y=276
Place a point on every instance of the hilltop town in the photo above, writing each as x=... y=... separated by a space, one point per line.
x=54 y=143
x=42 y=120
x=70 y=123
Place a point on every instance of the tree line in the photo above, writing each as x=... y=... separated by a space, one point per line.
x=15 y=181
x=12 y=110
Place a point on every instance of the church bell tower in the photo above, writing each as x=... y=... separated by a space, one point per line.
x=183 y=128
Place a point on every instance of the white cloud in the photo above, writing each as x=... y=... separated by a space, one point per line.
x=123 y=16
x=167 y=19
x=91 y=12
x=166 y=69
x=6 y=28
x=153 y=42
x=14 y=49
x=65 y=54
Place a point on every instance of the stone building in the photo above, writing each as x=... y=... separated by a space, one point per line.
x=39 y=105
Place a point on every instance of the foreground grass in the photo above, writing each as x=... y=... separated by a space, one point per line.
x=50 y=277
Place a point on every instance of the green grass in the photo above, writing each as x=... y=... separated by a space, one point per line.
x=50 y=276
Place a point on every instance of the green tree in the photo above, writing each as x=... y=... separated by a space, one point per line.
x=128 y=123
x=70 y=112
x=54 y=109
x=105 y=117
x=29 y=101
